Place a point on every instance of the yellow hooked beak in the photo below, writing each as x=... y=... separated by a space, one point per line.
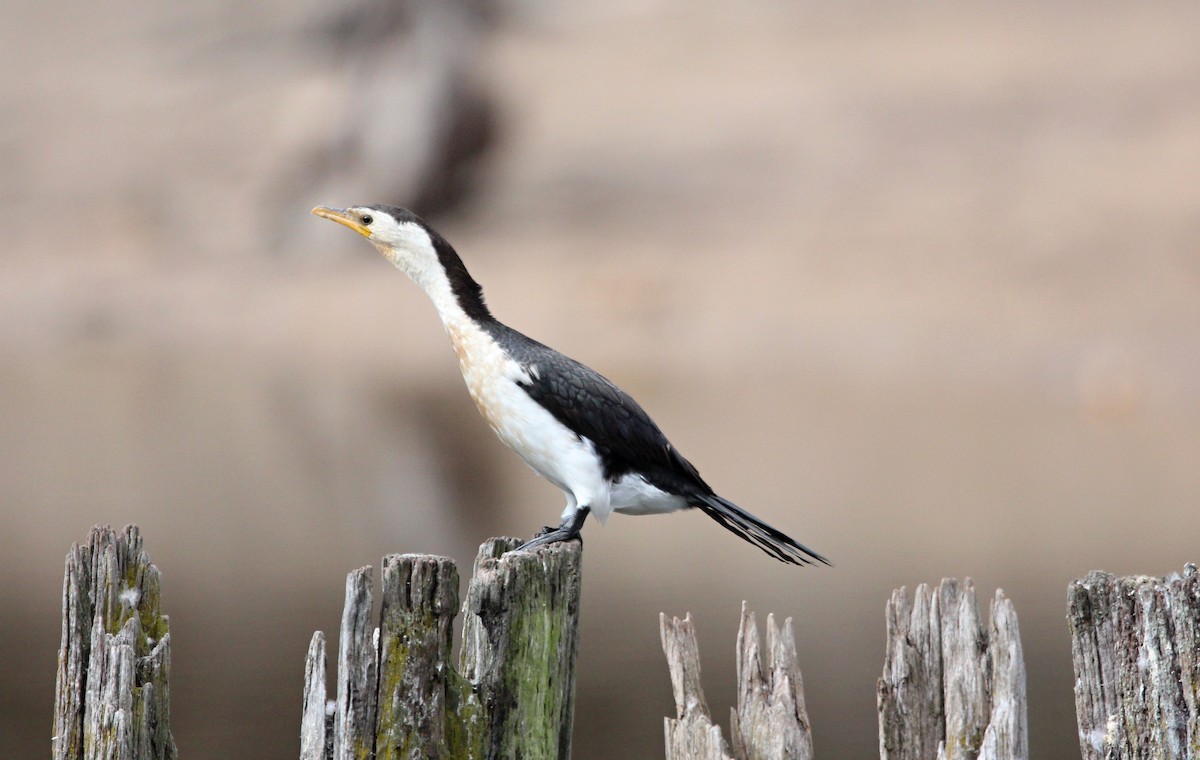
x=342 y=216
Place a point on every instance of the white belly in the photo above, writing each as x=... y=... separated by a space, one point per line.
x=632 y=495
x=546 y=445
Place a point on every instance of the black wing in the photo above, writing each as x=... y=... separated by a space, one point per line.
x=593 y=407
x=627 y=440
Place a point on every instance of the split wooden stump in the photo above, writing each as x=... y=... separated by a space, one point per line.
x=950 y=688
x=111 y=697
x=770 y=720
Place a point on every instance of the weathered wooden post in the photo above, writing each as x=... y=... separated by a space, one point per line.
x=399 y=695
x=1136 y=646
x=770 y=720
x=691 y=733
x=949 y=689
x=111 y=698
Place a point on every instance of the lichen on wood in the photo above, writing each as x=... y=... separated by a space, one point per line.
x=520 y=640
x=420 y=597
x=112 y=698
x=512 y=694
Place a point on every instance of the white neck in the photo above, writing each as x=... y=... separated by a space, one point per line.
x=423 y=268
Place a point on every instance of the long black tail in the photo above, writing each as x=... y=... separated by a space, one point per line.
x=737 y=520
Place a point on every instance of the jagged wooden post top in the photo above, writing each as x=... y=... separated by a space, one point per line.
x=400 y=696
x=952 y=687
x=111 y=698
x=1135 y=642
x=770 y=720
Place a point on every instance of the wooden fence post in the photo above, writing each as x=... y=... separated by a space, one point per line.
x=770 y=720
x=1136 y=647
x=691 y=734
x=948 y=688
x=398 y=694
x=111 y=697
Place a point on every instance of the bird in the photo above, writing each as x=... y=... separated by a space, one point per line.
x=569 y=423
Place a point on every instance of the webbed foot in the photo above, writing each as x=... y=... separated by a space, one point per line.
x=569 y=529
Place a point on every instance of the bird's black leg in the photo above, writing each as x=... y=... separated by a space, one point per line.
x=569 y=529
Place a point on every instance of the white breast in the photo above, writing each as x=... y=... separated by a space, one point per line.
x=546 y=445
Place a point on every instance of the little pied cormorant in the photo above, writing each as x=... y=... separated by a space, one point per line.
x=569 y=423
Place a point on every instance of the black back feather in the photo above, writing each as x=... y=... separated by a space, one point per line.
x=593 y=407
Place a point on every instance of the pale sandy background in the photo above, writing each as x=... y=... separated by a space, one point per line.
x=920 y=285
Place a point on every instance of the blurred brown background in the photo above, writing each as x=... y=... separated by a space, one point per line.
x=919 y=285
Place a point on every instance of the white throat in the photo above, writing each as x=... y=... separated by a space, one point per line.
x=419 y=261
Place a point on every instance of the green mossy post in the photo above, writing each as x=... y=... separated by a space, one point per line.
x=420 y=597
x=111 y=697
x=520 y=640
x=512 y=694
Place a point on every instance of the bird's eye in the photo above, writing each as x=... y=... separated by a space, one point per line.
x=366 y=220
